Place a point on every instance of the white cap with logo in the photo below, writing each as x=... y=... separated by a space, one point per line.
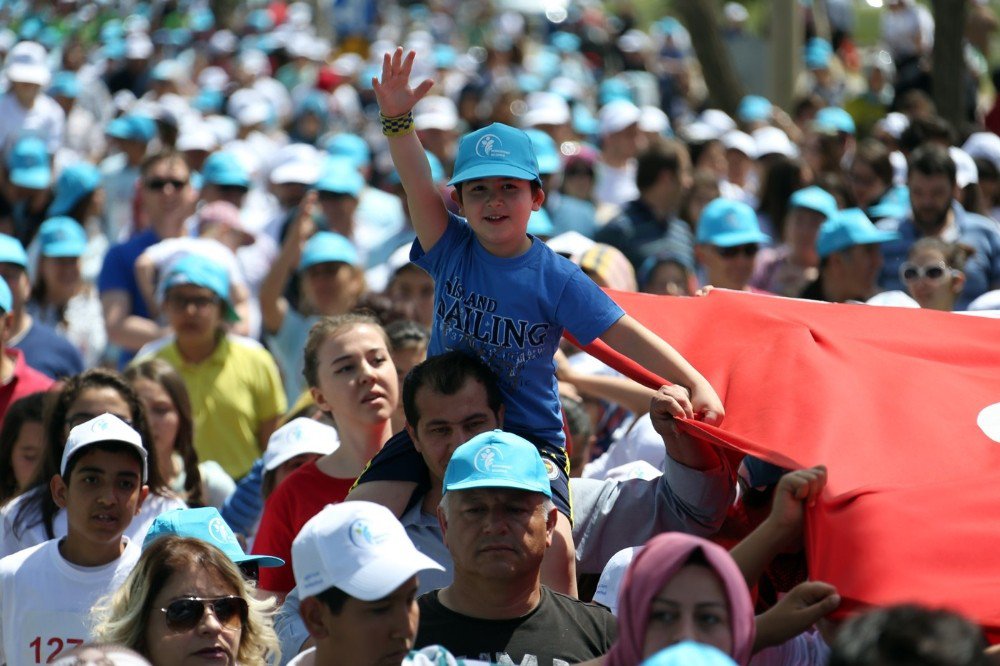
x=359 y=548
x=104 y=428
x=298 y=436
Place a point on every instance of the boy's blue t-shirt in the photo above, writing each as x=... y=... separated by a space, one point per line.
x=511 y=313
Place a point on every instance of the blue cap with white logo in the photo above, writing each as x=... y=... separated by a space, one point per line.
x=62 y=237
x=497 y=459
x=814 y=198
x=848 y=228
x=495 y=151
x=207 y=525
x=728 y=223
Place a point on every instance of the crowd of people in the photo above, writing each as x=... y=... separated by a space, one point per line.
x=283 y=376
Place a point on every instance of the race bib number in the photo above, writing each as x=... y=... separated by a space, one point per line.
x=46 y=636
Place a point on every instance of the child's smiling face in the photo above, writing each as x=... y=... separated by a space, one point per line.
x=498 y=210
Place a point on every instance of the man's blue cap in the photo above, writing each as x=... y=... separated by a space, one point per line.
x=65 y=84
x=495 y=151
x=497 y=459
x=327 y=247
x=12 y=252
x=6 y=298
x=199 y=271
x=728 y=223
x=546 y=152
x=437 y=170
x=28 y=164
x=207 y=525
x=689 y=653
x=340 y=176
x=540 y=224
x=208 y=101
x=894 y=203
x=75 y=182
x=818 y=53
x=62 y=237
x=612 y=89
x=222 y=168
x=833 y=119
x=814 y=198
x=351 y=146
x=754 y=108
x=132 y=127
x=566 y=42
x=848 y=228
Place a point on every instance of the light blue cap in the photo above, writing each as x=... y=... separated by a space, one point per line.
x=894 y=203
x=497 y=459
x=222 y=168
x=689 y=653
x=28 y=164
x=132 y=127
x=260 y=20
x=62 y=237
x=584 y=121
x=437 y=170
x=818 y=53
x=728 y=223
x=65 y=84
x=444 y=56
x=832 y=120
x=754 y=108
x=540 y=224
x=495 y=151
x=848 y=228
x=814 y=198
x=313 y=103
x=6 y=298
x=75 y=182
x=566 y=42
x=350 y=146
x=205 y=524
x=341 y=176
x=12 y=252
x=196 y=270
x=208 y=101
x=326 y=247
x=546 y=152
x=612 y=89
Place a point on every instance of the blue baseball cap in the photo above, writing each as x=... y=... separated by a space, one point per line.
x=728 y=223
x=818 y=53
x=437 y=170
x=28 y=164
x=546 y=152
x=340 y=176
x=222 y=168
x=754 y=108
x=75 y=182
x=832 y=120
x=132 y=127
x=327 y=247
x=6 y=297
x=814 y=198
x=848 y=228
x=689 y=653
x=540 y=224
x=205 y=524
x=65 y=84
x=495 y=151
x=199 y=271
x=351 y=146
x=497 y=459
x=62 y=237
x=12 y=252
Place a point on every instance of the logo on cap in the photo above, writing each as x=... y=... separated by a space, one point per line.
x=220 y=531
x=362 y=536
x=486 y=459
x=490 y=145
x=100 y=426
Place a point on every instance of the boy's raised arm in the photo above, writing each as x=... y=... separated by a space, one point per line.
x=396 y=100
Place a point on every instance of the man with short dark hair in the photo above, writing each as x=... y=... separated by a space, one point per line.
x=936 y=213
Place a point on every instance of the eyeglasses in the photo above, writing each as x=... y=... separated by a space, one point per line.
x=749 y=250
x=933 y=272
x=199 y=302
x=185 y=614
x=73 y=420
x=159 y=184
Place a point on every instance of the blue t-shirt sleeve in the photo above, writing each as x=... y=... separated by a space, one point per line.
x=457 y=232
x=585 y=310
x=114 y=272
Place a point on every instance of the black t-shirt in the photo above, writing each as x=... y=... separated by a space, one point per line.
x=561 y=630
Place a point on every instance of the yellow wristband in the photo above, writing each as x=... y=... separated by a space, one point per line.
x=397 y=125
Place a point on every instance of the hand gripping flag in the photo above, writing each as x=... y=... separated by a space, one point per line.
x=901 y=405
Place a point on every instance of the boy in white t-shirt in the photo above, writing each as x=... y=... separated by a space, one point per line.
x=46 y=591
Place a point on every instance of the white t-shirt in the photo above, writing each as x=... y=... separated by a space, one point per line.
x=613 y=185
x=35 y=534
x=432 y=655
x=45 y=119
x=45 y=601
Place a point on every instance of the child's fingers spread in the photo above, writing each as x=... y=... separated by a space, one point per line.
x=424 y=88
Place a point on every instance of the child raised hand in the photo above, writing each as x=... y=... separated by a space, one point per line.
x=393 y=92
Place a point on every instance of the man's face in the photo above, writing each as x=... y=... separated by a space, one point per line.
x=497 y=533
x=166 y=188
x=26 y=93
x=862 y=264
x=370 y=633
x=194 y=313
x=448 y=421
x=930 y=199
x=728 y=267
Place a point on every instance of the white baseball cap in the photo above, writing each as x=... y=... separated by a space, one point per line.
x=359 y=548
x=966 y=172
x=610 y=583
x=741 y=141
x=435 y=112
x=26 y=63
x=653 y=119
x=985 y=145
x=545 y=108
x=618 y=114
x=771 y=140
x=298 y=436
x=104 y=428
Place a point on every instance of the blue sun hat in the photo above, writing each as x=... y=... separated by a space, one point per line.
x=728 y=223
x=495 y=151
x=196 y=270
x=28 y=164
x=62 y=237
x=497 y=459
x=75 y=182
x=848 y=228
x=205 y=524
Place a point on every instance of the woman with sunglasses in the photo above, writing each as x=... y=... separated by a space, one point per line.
x=933 y=273
x=185 y=602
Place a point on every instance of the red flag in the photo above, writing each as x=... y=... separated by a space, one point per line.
x=901 y=405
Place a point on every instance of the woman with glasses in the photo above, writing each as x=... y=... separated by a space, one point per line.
x=33 y=517
x=186 y=603
x=933 y=273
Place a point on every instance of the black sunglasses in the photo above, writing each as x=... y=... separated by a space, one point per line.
x=232 y=189
x=749 y=250
x=185 y=614
x=159 y=184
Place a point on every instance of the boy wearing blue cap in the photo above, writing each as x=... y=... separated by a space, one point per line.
x=500 y=294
